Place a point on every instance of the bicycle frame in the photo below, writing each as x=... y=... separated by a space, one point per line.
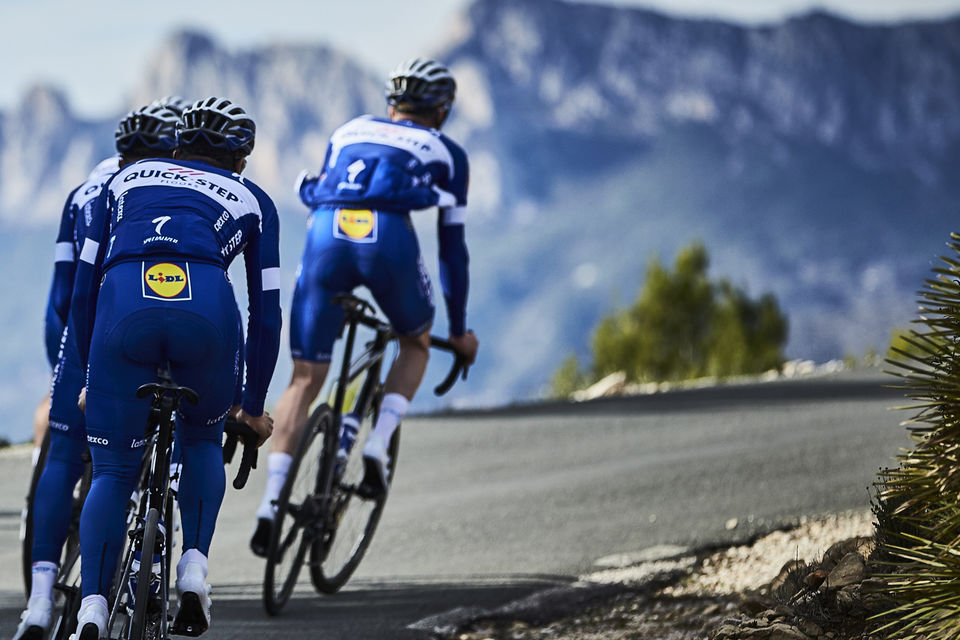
x=371 y=363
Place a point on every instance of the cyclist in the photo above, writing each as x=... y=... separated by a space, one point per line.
x=376 y=171
x=162 y=235
x=144 y=133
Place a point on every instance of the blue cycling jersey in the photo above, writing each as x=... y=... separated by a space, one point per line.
x=74 y=219
x=396 y=167
x=185 y=210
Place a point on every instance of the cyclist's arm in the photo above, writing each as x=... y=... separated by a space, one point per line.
x=306 y=186
x=454 y=263
x=451 y=240
x=261 y=259
x=61 y=288
x=83 y=304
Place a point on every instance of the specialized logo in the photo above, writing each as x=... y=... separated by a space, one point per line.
x=166 y=281
x=359 y=225
x=355 y=169
x=356 y=180
x=159 y=237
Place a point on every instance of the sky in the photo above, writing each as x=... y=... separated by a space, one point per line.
x=93 y=50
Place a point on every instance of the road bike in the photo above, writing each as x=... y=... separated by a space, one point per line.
x=140 y=593
x=326 y=514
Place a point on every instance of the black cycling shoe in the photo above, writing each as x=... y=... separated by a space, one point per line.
x=191 y=619
x=260 y=539
x=34 y=632
x=374 y=483
x=90 y=631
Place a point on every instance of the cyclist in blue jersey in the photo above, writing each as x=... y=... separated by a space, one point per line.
x=376 y=171
x=145 y=133
x=71 y=232
x=162 y=236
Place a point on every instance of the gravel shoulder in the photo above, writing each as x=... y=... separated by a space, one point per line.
x=670 y=593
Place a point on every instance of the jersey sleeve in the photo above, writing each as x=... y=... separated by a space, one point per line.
x=308 y=185
x=451 y=242
x=261 y=259
x=83 y=304
x=61 y=288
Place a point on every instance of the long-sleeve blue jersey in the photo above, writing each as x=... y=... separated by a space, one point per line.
x=74 y=219
x=184 y=210
x=376 y=163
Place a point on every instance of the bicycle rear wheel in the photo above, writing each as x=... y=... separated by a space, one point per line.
x=350 y=526
x=297 y=515
x=145 y=624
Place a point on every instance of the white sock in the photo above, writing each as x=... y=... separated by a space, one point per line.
x=192 y=555
x=392 y=409
x=278 y=464
x=42 y=577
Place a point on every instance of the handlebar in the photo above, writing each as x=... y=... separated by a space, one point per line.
x=458 y=369
x=362 y=312
x=236 y=431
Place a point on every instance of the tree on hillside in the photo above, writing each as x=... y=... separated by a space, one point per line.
x=683 y=325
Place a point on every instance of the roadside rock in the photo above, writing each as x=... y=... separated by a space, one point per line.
x=850 y=570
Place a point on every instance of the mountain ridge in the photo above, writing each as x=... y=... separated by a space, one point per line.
x=812 y=156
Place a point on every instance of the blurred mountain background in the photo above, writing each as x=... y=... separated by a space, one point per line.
x=816 y=158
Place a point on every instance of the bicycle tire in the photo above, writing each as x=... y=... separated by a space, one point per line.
x=26 y=525
x=151 y=528
x=290 y=535
x=336 y=555
x=66 y=624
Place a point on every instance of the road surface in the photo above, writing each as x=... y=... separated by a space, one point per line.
x=488 y=507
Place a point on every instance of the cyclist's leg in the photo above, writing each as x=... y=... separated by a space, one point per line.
x=400 y=284
x=290 y=416
x=202 y=344
x=125 y=350
x=326 y=269
x=53 y=496
x=200 y=427
x=40 y=422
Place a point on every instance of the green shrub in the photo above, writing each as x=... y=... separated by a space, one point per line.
x=683 y=325
x=918 y=503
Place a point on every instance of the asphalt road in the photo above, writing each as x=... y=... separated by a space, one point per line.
x=491 y=506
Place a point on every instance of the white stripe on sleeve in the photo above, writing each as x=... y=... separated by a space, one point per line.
x=64 y=252
x=447 y=199
x=453 y=215
x=89 y=252
x=271 y=278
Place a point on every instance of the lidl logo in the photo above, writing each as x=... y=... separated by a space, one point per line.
x=165 y=279
x=356 y=224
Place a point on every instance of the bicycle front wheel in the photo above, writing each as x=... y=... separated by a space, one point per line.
x=350 y=525
x=298 y=514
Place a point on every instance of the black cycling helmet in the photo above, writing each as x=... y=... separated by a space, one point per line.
x=174 y=103
x=151 y=127
x=422 y=83
x=217 y=123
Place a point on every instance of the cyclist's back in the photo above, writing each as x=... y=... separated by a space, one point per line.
x=376 y=171
x=146 y=132
x=162 y=235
